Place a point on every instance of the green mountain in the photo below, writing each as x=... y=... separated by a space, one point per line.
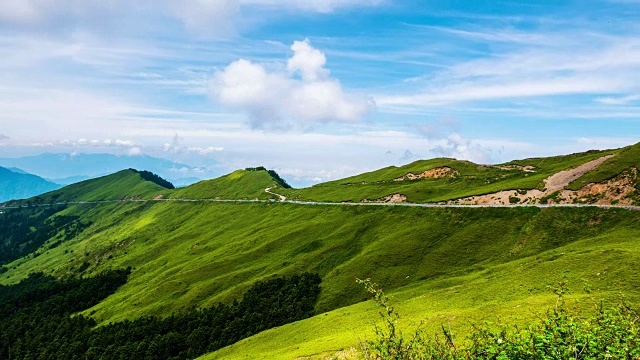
x=240 y=184
x=67 y=168
x=443 y=179
x=448 y=265
x=20 y=185
x=125 y=184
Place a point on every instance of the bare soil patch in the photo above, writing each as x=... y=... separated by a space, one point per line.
x=527 y=168
x=394 y=198
x=435 y=173
x=559 y=180
x=617 y=189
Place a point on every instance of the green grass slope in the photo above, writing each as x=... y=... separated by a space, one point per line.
x=459 y=261
x=625 y=159
x=446 y=264
x=240 y=184
x=123 y=184
x=473 y=179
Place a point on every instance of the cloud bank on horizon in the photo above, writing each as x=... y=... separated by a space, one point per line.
x=318 y=89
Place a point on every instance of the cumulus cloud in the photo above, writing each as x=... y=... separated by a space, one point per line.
x=134 y=151
x=460 y=148
x=175 y=147
x=437 y=129
x=307 y=61
x=304 y=94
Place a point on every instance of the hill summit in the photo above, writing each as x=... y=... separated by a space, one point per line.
x=250 y=183
x=125 y=184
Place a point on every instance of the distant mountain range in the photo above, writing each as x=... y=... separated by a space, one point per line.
x=67 y=169
x=17 y=184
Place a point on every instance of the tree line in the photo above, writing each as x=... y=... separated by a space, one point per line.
x=36 y=321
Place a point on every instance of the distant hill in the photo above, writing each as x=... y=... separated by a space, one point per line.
x=66 y=168
x=18 y=171
x=240 y=184
x=595 y=177
x=124 y=184
x=71 y=179
x=20 y=185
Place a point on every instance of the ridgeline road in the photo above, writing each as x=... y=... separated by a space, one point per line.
x=312 y=203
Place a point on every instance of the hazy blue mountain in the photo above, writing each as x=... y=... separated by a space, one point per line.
x=70 y=179
x=20 y=185
x=18 y=171
x=66 y=168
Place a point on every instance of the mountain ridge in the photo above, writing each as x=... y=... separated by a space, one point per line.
x=440 y=180
x=17 y=185
x=72 y=167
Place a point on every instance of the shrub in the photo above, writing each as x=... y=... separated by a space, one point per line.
x=610 y=333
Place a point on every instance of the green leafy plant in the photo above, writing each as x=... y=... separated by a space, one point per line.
x=609 y=333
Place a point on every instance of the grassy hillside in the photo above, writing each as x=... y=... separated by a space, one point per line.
x=451 y=265
x=123 y=184
x=444 y=261
x=240 y=184
x=16 y=184
x=469 y=179
x=626 y=158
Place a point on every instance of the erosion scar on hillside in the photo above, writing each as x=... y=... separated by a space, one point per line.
x=552 y=184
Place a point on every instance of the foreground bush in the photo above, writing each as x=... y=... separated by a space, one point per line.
x=608 y=333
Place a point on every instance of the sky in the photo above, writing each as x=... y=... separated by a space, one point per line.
x=318 y=89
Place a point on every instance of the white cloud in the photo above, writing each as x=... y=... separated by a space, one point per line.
x=107 y=143
x=491 y=89
x=323 y=6
x=460 y=148
x=134 y=151
x=207 y=17
x=175 y=147
x=622 y=100
x=205 y=150
x=4 y=137
x=607 y=142
x=308 y=61
x=211 y=17
x=538 y=64
x=278 y=98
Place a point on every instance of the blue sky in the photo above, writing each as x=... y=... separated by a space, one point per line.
x=318 y=89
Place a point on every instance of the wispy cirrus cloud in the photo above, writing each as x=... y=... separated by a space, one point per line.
x=99 y=143
x=208 y=18
x=535 y=64
x=621 y=100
